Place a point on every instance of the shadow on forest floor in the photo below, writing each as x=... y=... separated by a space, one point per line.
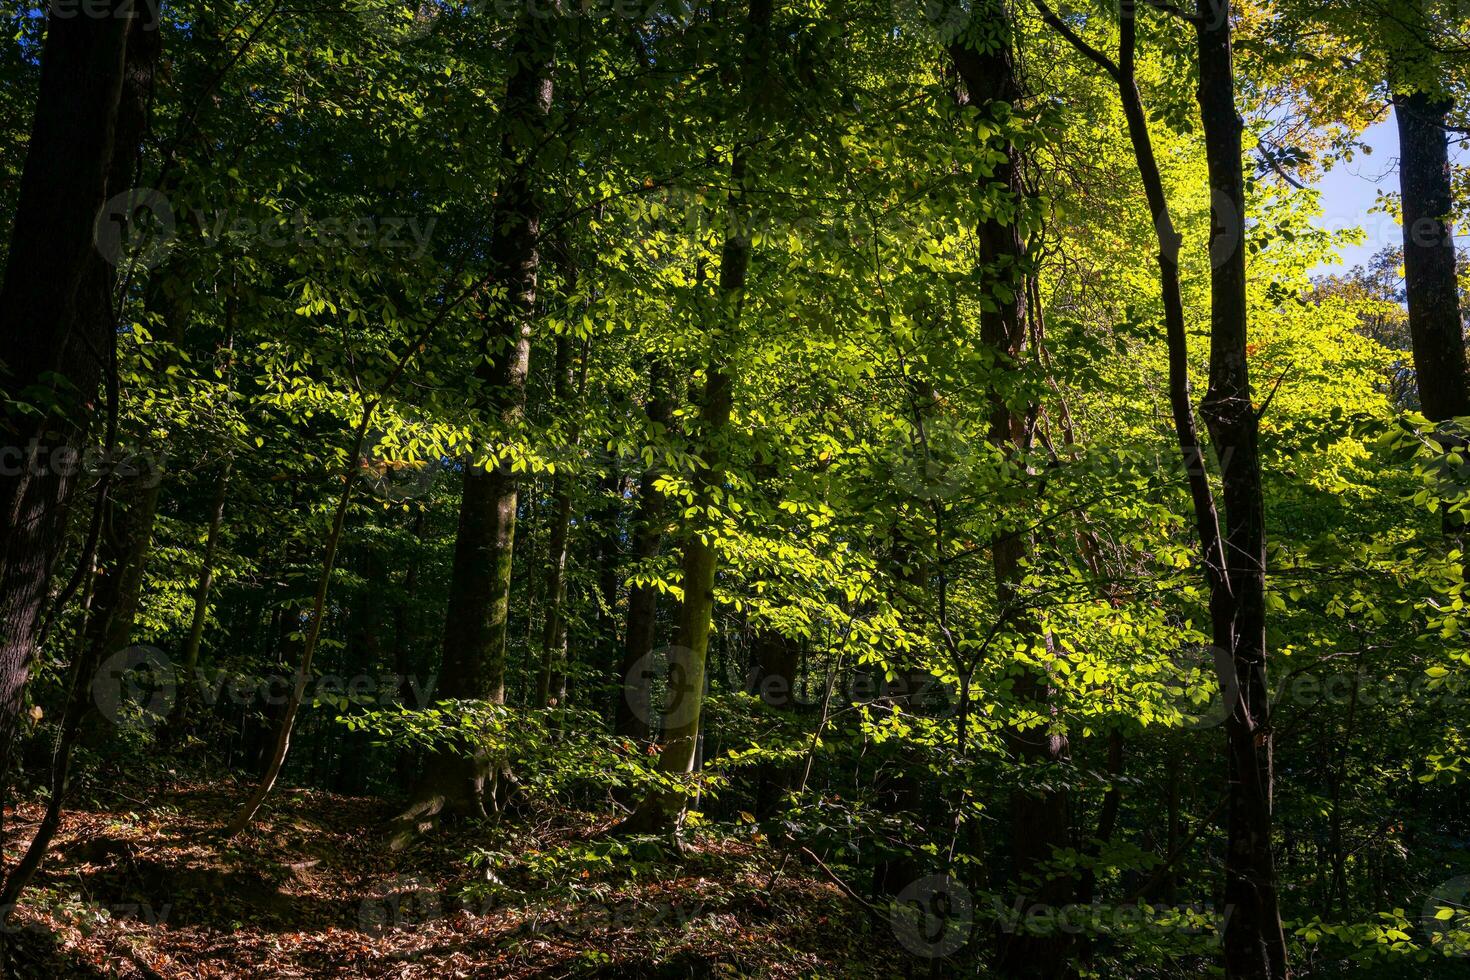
x=149 y=889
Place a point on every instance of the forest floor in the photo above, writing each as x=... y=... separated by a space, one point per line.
x=147 y=887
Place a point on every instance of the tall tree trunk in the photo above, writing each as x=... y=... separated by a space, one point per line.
x=74 y=331
x=688 y=658
x=138 y=496
x=479 y=589
x=772 y=676
x=1430 y=282
x=603 y=651
x=202 y=587
x=1255 y=944
x=1040 y=819
x=404 y=636
x=551 y=683
x=55 y=315
x=633 y=712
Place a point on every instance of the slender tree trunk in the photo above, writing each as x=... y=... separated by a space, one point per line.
x=772 y=677
x=551 y=683
x=479 y=590
x=139 y=496
x=1436 y=330
x=202 y=587
x=1040 y=819
x=1337 y=898
x=404 y=633
x=55 y=316
x=633 y=712
x=1255 y=944
x=608 y=520
x=1254 y=939
x=688 y=658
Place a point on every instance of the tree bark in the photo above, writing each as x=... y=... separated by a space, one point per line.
x=1255 y=944
x=75 y=331
x=55 y=318
x=1040 y=819
x=479 y=590
x=772 y=676
x=688 y=658
x=551 y=683
x=202 y=587
x=633 y=713
x=1431 y=285
x=139 y=496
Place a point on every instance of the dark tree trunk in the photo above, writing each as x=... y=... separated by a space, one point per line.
x=479 y=589
x=1040 y=820
x=54 y=317
x=551 y=683
x=1255 y=944
x=772 y=676
x=203 y=585
x=1430 y=283
x=367 y=627
x=91 y=116
x=634 y=707
x=404 y=636
x=608 y=520
x=136 y=499
x=688 y=658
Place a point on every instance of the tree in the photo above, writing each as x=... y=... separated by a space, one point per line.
x=688 y=658
x=57 y=328
x=1040 y=822
x=1431 y=281
x=1255 y=945
x=475 y=627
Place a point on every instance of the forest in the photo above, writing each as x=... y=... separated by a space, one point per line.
x=734 y=488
